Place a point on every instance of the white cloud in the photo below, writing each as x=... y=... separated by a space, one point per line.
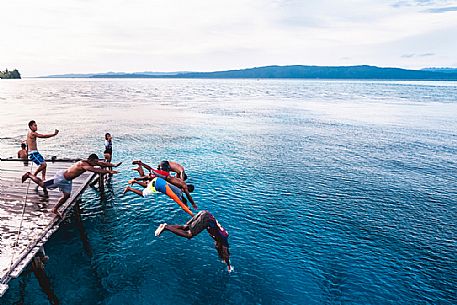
x=99 y=35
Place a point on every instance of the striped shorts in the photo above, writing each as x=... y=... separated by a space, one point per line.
x=36 y=157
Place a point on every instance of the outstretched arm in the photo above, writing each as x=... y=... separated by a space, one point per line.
x=108 y=164
x=190 y=198
x=229 y=267
x=223 y=253
x=142 y=178
x=173 y=196
x=147 y=166
x=39 y=135
x=98 y=170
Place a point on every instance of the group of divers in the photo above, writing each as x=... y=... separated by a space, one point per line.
x=152 y=181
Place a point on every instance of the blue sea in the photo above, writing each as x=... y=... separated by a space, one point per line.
x=332 y=191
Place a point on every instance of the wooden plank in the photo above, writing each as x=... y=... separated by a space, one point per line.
x=47 y=160
x=26 y=218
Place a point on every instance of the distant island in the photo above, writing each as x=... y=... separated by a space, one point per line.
x=443 y=70
x=296 y=72
x=10 y=74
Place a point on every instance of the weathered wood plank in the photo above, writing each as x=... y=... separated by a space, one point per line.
x=20 y=202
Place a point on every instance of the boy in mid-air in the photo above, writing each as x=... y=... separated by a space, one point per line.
x=199 y=222
x=157 y=184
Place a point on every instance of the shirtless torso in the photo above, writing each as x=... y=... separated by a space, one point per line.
x=82 y=166
x=22 y=154
x=31 y=140
x=76 y=170
x=176 y=167
x=32 y=135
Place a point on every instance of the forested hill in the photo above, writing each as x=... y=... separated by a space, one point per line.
x=306 y=72
x=322 y=72
x=10 y=74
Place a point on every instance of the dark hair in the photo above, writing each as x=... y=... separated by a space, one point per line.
x=190 y=188
x=23 y=145
x=31 y=123
x=165 y=166
x=222 y=250
x=92 y=157
x=107 y=134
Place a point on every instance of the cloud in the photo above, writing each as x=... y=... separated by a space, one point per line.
x=426 y=54
x=431 y=6
x=439 y=10
x=135 y=35
x=422 y=3
x=411 y=55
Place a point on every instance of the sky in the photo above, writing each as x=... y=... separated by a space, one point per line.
x=93 y=36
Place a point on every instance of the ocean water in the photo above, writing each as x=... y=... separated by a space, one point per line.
x=332 y=191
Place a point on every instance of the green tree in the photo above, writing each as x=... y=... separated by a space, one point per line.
x=10 y=74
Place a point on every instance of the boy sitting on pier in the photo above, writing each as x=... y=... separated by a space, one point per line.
x=63 y=179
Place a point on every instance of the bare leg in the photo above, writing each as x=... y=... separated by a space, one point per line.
x=62 y=200
x=33 y=177
x=143 y=184
x=108 y=158
x=141 y=165
x=179 y=230
x=130 y=189
x=139 y=169
x=42 y=169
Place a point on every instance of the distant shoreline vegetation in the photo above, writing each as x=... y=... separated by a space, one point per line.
x=293 y=72
x=10 y=74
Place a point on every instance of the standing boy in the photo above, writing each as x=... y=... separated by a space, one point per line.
x=34 y=155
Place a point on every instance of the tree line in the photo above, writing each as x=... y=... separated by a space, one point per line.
x=10 y=74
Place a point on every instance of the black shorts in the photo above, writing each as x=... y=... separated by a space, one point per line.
x=199 y=222
x=108 y=151
x=183 y=176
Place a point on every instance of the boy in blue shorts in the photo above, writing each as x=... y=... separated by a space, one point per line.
x=159 y=185
x=34 y=155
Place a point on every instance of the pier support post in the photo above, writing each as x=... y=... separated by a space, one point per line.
x=101 y=182
x=82 y=231
x=43 y=280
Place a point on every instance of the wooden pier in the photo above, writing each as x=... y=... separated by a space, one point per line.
x=26 y=218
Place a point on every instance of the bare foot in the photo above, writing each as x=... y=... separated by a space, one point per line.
x=136 y=162
x=126 y=190
x=26 y=176
x=131 y=181
x=44 y=259
x=160 y=229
